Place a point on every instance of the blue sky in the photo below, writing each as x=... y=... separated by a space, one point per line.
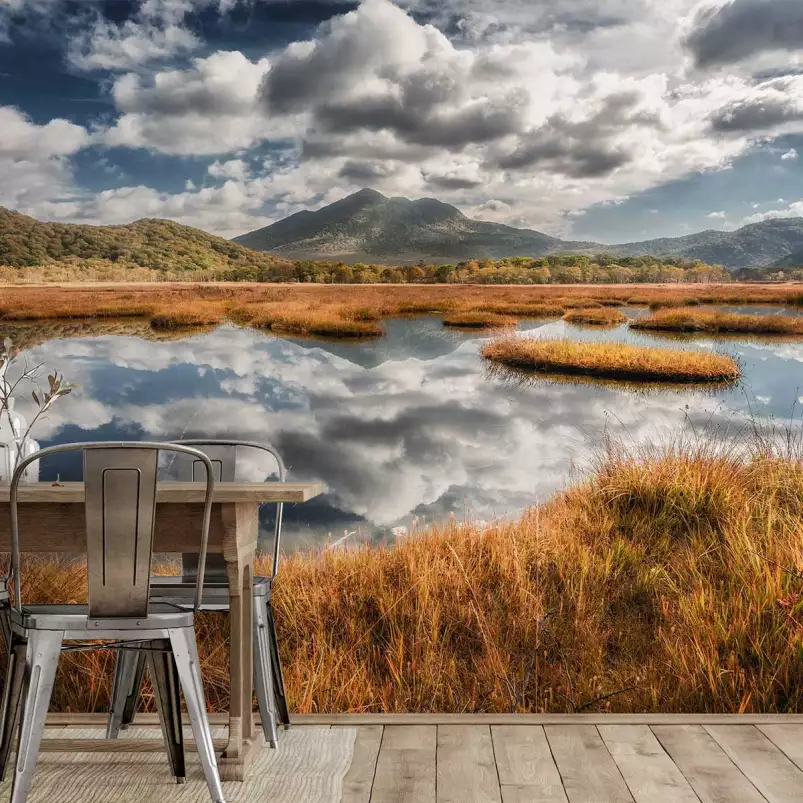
x=610 y=120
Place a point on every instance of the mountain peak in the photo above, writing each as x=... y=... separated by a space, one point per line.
x=367 y=194
x=367 y=226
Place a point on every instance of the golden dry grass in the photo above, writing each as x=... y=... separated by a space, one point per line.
x=604 y=316
x=611 y=360
x=479 y=320
x=338 y=310
x=580 y=303
x=295 y=318
x=674 y=320
x=673 y=301
x=187 y=314
x=520 y=310
x=667 y=582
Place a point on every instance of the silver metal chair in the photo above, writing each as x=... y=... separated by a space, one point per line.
x=268 y=681
x=5 y=613
x=120 y=504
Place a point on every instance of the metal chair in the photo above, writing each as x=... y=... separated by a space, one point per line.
x=268 y=681
x=5 y=607
x=120 y=504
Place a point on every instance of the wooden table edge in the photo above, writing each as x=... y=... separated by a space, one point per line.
x=176 y=492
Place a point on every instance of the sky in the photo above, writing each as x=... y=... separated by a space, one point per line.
x=607 y=120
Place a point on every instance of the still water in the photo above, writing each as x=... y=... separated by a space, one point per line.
x=403 y=430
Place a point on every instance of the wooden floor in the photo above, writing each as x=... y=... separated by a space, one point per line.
x=722 y=762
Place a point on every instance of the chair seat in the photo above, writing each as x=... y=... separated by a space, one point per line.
x=75 y=619
x=175 y=590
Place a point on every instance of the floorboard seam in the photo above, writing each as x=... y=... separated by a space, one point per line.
x=554 y=761
x=437 y=742
x=376 y=765
x=618 y=769
x=496 y=765
x=778 y=747
x=746 y=776
x=674 y=763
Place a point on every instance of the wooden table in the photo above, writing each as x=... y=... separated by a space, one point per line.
x=52 y=520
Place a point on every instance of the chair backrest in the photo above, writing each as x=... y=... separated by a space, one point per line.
x=120 y=510
x=223 y=455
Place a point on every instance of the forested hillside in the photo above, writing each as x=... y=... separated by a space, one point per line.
x=150 y=243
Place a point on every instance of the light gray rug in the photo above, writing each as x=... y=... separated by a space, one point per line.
x=308 y=767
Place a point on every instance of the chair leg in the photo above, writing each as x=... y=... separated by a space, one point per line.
x=132 y=701
x=10 y=705
x=263 y=676
x=5 y=624
x=164 y=678
x=41 y=661
x=185 y=651
x=276 y=666
x=123 y=688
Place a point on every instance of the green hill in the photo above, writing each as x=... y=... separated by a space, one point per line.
x=147 y=243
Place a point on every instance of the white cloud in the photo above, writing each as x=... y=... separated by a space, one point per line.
x=34 y=158
x=210 y=108
x=794 y=209
x=789 y=155
x=233 y=168
x=120 y=47
x=717 y=215
x=156 y=32
x=227 y=210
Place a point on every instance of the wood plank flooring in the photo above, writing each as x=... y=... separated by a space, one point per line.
x=614 y=759
x=577 y=763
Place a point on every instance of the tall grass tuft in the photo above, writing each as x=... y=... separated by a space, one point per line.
x=617 y=361
x=668 y=581
x=479 y=320
x=673 y=320
x=606 y=316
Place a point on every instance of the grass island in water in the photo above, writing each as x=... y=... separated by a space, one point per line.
x=611 y=360
x=674 y=320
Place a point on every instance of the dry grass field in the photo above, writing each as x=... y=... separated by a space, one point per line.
x=668 y=581
x=353 y=310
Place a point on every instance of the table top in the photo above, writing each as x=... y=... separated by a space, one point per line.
x=175 y=492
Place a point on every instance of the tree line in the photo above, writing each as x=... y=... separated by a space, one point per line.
x=553 y=269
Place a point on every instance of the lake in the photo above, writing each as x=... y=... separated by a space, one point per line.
x=404 y=430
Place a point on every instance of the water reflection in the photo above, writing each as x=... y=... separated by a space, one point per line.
x=409 y=428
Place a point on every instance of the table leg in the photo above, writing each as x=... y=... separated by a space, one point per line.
x=241 y=527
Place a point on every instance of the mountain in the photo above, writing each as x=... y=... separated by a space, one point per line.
x=148 y=243
x=758 y=245
x=791 y=260
x=367 y=226
x=370 y=227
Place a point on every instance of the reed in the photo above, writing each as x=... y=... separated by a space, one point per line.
x=673 y=301
x=521 y=309
x=668 y=581
x=187 y=315
x=719 y=323
x=580 y=303
x=305 y=321
x=605 y=316
x=479 y=320
x=611 y=360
